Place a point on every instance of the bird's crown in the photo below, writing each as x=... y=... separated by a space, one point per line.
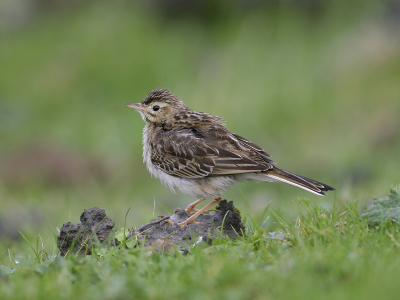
x=163 y=96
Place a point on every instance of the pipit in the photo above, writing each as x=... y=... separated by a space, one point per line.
x=195 y=154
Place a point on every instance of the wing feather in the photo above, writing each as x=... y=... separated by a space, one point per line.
x=183 y=153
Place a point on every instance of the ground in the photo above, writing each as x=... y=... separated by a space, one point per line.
x=321 y=254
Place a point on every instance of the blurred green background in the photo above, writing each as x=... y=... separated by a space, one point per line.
x=315 y=83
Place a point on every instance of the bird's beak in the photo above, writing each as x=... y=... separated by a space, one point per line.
x=137 y=106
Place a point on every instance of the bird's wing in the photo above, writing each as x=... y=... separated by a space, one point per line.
x=183 y=153
x=253 y=147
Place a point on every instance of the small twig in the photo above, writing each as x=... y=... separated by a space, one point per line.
x=159 y=220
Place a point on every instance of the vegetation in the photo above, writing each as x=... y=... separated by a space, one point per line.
x=321 y=254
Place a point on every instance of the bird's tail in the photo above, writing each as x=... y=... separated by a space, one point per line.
x=305 y=183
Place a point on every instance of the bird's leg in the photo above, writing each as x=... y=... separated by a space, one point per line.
x=192 y=218
x=190 y=208
x=209 y=211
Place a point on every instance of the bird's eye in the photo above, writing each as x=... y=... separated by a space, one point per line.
x=156 y=107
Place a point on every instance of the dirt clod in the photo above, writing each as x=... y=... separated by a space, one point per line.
x=79 y=238
x=208 y=228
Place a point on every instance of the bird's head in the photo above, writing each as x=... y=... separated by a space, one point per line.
x=159 y=106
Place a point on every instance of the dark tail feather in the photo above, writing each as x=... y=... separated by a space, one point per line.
x=308 y=184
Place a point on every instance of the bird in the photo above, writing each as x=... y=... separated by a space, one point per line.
x=194 y=153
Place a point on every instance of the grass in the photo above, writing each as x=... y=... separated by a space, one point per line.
x=317 y=89
x=322 y=254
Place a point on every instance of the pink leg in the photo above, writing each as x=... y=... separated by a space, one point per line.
x=190 y=208
x=192 y=218
x=207 y=211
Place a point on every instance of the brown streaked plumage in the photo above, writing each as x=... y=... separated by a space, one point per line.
x=195 y=153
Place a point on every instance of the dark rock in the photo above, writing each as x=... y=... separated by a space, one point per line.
x=95 y=227
x=208 y=228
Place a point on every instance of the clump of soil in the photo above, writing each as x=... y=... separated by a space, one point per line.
x=159 y=234
x=95 y=227
x=209 y=227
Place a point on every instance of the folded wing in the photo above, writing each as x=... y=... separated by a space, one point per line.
x=184 y=153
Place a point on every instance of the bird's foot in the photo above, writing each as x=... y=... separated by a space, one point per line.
x=169 y=221
x=184 y=223
x=193 y=217
x=208 y=211
x=191 y=207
